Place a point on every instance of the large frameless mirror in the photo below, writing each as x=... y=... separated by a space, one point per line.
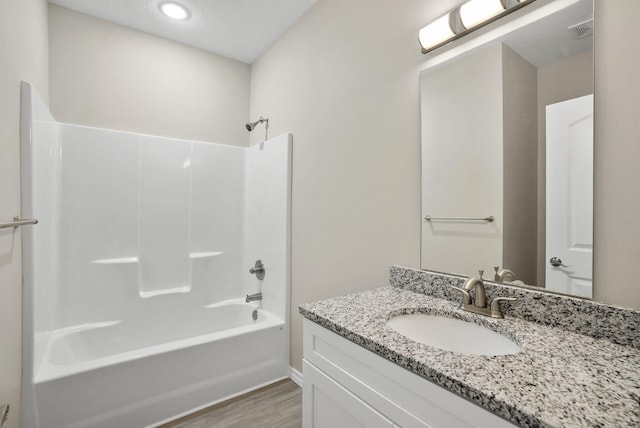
x=507 y=150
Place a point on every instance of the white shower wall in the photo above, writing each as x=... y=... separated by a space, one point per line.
x=131 y=229
x=142 y=217
x=266 y=203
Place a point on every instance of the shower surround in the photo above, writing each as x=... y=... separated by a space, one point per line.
x=135 y=276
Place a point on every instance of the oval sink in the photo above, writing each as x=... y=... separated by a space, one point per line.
x=453 y=335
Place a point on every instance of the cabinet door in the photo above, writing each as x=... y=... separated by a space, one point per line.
x=326 y=404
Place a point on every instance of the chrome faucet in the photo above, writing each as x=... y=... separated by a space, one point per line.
x=478 y=305
x=253 y=297
x=477 y=284
x=503 y=275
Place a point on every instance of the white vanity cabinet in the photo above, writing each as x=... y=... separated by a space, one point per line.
x=348 y=386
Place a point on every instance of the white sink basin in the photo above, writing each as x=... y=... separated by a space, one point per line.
x=453 y=335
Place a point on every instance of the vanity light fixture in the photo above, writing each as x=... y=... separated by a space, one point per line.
x=468 y=17
x=174 y=11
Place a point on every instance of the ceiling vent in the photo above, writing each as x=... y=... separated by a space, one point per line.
x=583 y=29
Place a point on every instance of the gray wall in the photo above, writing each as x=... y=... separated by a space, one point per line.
x=520 y=166
x=109 y=76
x=617 y=132
x=462 y=105
x=23 y=56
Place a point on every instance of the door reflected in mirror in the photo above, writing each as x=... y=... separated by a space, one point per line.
x=507 y=132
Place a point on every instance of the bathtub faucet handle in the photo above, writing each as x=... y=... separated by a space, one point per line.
x=258 y=270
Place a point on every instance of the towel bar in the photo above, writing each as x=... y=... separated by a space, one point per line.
x=17 y=222
x=487 y=219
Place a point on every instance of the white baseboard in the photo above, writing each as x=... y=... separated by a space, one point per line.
x=295 y=376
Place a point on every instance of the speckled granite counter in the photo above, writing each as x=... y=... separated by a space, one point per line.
x=560 y=378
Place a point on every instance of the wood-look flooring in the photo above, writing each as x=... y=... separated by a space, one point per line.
x=278 y=405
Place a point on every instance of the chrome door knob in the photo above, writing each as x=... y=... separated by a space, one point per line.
x=556 y=262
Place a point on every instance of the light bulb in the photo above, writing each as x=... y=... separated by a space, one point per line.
x=475 y=12
x=174 y=11
x=436 y=32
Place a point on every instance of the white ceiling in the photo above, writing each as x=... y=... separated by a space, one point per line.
x=237 y=29
x=548 y=40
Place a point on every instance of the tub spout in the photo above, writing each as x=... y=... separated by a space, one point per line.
x=252 y=297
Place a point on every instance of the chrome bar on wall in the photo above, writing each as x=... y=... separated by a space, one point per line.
x=487 y=219
x=17 y=222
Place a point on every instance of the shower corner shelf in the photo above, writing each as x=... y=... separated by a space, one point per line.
x=116 y=261
x=164 y=291
x=205 y=254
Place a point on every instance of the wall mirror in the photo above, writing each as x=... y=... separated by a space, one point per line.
x=507 y=150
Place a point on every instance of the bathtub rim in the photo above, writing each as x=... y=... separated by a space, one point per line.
x=48 y=372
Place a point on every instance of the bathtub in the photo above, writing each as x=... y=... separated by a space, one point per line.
x=150 y=370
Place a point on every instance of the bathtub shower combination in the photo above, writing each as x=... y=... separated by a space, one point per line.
x=135 y=277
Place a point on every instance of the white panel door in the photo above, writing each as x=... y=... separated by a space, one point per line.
x=569 y=247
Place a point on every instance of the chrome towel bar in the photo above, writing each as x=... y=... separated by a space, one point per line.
x=17 y=222
x=487 y=219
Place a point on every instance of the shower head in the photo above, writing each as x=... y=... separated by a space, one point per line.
x=251 y=125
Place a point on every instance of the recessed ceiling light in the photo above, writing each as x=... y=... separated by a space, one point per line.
x=174 y=11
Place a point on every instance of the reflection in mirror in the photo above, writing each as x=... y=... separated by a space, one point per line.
x=507 y=132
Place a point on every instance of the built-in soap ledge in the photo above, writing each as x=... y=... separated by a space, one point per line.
x=226 y=302
x=116 y=261
x=164 y=291
x=129 y=260
x=205 y=254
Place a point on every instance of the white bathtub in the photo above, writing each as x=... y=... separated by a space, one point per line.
x=142 y=373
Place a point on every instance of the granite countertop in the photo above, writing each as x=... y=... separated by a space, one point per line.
x=559 y=379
